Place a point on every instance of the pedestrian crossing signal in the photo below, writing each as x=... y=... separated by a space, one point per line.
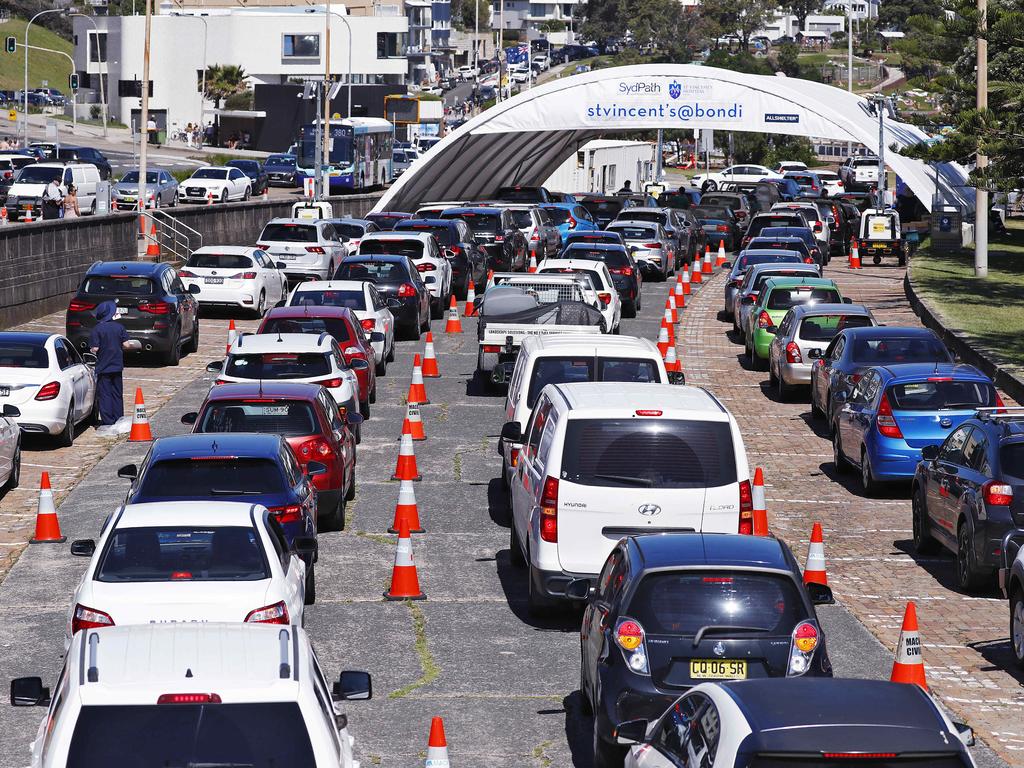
x=73 y=81
x=11 y=44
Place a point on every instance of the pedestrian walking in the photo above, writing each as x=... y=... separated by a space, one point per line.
x=108 y=341
x=71 y=210
x=53 y=196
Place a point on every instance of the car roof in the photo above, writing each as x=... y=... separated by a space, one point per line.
x=915 y=371
x=226 y=250
x=349 y=220
x=629 y=397
x=401 y=234
x=813 y=310
x=597 y=346
x=770 y=252
x=320 y=285
x=406 y=223
x=264 y=343
x=164 y=513
x=385 y=258
x=316 y=310
x=578 y=264
x=580 y=245
x=225 y=444
x=890 y=331
x=292 y=220
x=470 y=209
x=25 y=337
x=666 y=550
x=269 y=390
x=132 y=268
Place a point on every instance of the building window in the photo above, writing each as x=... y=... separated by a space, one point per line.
x=127 y=89
x=389 y=45
x=300 y=46
x=97 y=46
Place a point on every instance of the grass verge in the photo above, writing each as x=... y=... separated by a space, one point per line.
x=43 y=66
x=427 y=663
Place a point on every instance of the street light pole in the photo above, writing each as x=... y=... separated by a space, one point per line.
x=849 y=59
x=144 y=112
x=981 y=193
x=24 y=93
x=103 y=97
x=323 y=183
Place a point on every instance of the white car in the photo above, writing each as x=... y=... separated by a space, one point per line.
x=235 y=276
x=815 y=222
x=831 y=181
x=433 y=210
x=309 y=248
x=363 y=298
x=785 y=166
x=26 y=193
x=190 y=561
x=193 y=694
x=600 y=278
x=740 y=174
x=48 y=381
x=426 y=255
x=468 y=72
x=298 y=357
x=223 y=183
x=351 y=232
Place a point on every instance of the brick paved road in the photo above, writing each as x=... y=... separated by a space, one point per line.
x=868 y=541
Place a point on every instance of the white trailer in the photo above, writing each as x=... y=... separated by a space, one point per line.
x=602 y=166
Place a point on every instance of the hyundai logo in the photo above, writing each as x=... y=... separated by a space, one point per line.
x=649 y=510
x=719 y=649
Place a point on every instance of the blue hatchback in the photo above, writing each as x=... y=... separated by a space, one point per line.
x=569 y=217
x=896 y=410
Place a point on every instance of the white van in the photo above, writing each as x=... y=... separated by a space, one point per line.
x=544 y=360
x=27 y=191
x=604 y=460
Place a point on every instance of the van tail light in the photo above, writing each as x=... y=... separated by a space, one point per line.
x=886 y=422
x=721 y=228
x=549 y=510
x=331 y=383
x=764 y=320
x=998 y=494
x=85 y=617
x=155 y=308
x=368 y=324
x=312 y=449
x=606 y=298
x=186 y=273
x=627 y=271
x=77 y=305
x=425 y=267
x=188 y=698
x=802 y=646
x=630 y=638
x=746 y=526
x=290 y=513
x=315 y=249
x=406 y=291
x=269 y=614
x=48 y=391
x=793 y=353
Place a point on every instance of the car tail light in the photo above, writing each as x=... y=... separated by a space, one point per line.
x=406 y=291
x=85 y=617
x=263 y=246
x=315 y=447
x=290 y=513
x=499 y=238
x=188 y=698
x=331 y=383
x=186 y=273
x=627 y=271
x=746 y=525
x=572 y=222
x=721 y=228
x=886 y=422
x=77 y=305
x=652 y=245
x=243 y=276
x=606 y=298
x=269 y=614
x=456 y=249
x=353 y=352
x=315 y=249
x=808 y=260
x=805 y=640
x=998 y=494
x=741 y=214
x=629 y=636
x=155 y=308
x=764 y=320
x=48 y=391
x=549 y=510
x=491 y=349
x=368 y=325
x=425 y=267
x=534 y=236
x=793 y=353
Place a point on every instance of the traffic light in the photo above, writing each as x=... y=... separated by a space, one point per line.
x=73 y=81
x=11 y=44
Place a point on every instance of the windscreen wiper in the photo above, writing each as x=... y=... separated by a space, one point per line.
x=230 y=492
x=642 y=482
x=720 y=628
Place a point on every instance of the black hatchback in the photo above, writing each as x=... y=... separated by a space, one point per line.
x=673 y=610
x=255 y=171
x=395 y=278
x=625 y=273
x=496 y=232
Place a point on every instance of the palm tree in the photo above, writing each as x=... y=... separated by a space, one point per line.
x=223 y=80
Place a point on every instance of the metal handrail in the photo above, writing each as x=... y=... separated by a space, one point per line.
x=177 y=241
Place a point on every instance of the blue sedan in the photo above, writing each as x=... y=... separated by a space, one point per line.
x=894 y=411
x=569 y=217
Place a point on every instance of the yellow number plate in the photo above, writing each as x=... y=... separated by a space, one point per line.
x=878 y=245
x=718 y=669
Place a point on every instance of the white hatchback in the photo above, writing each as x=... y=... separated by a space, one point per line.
x=426 y=255
x=600 y=278
x=190 y=561
x=218 y=184
x=235 y=276
x=309 y=248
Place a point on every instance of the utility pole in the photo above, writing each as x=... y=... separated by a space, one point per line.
x=849 y=59
x=144 y=116
x=325 y=152
x=981 y=194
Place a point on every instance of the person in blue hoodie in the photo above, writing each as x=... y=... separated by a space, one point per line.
x=108 y=341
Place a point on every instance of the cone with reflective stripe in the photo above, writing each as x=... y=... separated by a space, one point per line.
x=908 y=666
x=667 y=317
x=686 y=280
x=404 y=583
x=47 y=525
x=430 y=369
x=760 y=508
x=672 y=362
x=854 y=262
x=490 y=279
x=3 y=214
x=153 y=247
x=454 y=324
x=663 y=339
x=696 y=276
x=232 y=336
x=670 y=302
x=814 y=570
x=470 y=298
x=720 y=259
x=533 y=263
x=437 y=746
x=417 y=391
x=405 y=468
x=671 y=333
x=406 y=510
x=28 y=219
x=705 y=267
x=266 y=193
x=209 y=198
x=140 y=421
x=412 y=413
x=679 y=293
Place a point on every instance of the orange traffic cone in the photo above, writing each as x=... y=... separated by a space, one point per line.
x=454 y=324
x=232 y=336
x=760 y=507
x=696 y=276
x=405 y=469
x=406 y=510
x=437 y=746
x=28 y=216
x=814 y=570
x=670 y=302
x=672 y=362
x=663 y=338
x=152 y=247
x=854 y=257
x=705 y=267
x=412 y=414
x=679 y=293
x=266 y=193
x=470 y=298
x=140 y=422
x=209 y=198
x=430 y=369
x=908 y=666
x=490 y=278
x=417 y=391
x=667 y=317
x=720 y=260
x=142 y=220
x=686 y=280
x=47 y=525
x=404 y=583
x=533 y=263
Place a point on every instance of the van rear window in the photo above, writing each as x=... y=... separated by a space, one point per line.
x=565 y=370
x=648 y=453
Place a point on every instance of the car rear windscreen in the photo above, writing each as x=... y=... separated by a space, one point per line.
x=183 y=553
x=801 y=232
x=799 y=247
x=522 y=219
x=825 y=327
x=892 y=349
x=558 y=215
x=349 y=231
x=784 y=298
x=219 y=261
x=1011 y=459
x=726 y=201
x=385 y=222
x=759 y=223
x=815 y=760
x=279 y=365
x=613 y=258
x=602 y=209
x=520 y=194
x=353 y=299
x=397 y=247
x=636 y=233
x=335 y=326
x=675 y=200
x=375 y=271
x=565 y=370
x=264 y=735
x=750 y=259
x=595 y=277
x=119 y=285
x=648 y=453
x=486 y=223
x=443 y=235
x=289 y=418
x=205 y=477
x=288 y=233
x=641 y=214
x=768 y=274
x=15 y=355
x=941 y=394
x=682 y=602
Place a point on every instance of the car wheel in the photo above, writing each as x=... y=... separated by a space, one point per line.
x=515 y=552
x=390 y=357
x=782 y=390
x=193 y=343
x=247 y=194
x=867 y=479
x=261 y=305
x=174 y=199
x=969 y=577
x=816 y=412
x=156 y=201
x=537 y=605
x=838 y=459
x=772 y=378
x=14 y=478
x=381 y=368
x=1017 y=626
x=412 y=333
x=373 y=394
x=629 y=309
x=310 y=586
x=364 y=408
x=224 y=196
x=173 y=355
x=607 y=755
x=709 y=186
x=585 y=704
x=66 y=437
x=757 y=363
x=924 y=544
x=350 y=494
x=436 y=308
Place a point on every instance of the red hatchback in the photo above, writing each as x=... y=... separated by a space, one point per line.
x=343 y=325
x=307 y=417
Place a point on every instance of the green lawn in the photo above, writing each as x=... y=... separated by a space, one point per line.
x=990 y=310
x=51 y=67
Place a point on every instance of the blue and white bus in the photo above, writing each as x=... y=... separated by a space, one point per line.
x=359 y=155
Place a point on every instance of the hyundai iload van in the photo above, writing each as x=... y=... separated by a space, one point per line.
x=603 y=460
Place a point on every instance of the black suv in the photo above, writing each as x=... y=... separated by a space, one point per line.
x=86 y=155
x=495 y=230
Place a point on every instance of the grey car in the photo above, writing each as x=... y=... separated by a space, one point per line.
x=671 y=220
x=649 y=244
x=752 y=283
x=749 y=258
x=161 y=190
x=543 y=240
x=803 y=335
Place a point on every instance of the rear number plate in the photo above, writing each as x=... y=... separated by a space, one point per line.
x=287 y=256
x=213 y=280
x=880 y=246
x=718 y=669
x=5 y=391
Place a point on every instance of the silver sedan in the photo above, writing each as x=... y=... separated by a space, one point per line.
x=649 y=244
x=161 y=190
x=745 y=260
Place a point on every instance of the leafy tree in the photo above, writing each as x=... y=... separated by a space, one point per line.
x=741 y=61
x=788 y=60
x=767 y=149
x=224 y=80
x=673 y=31
x=464 y=14
x=739 y=17
x=896 y=14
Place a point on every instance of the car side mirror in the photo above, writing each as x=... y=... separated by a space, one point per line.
x=353 y=685
x=631 y=732
x=280 y=265
x=315 y=468
x=814 y=354
x=512 y=432
x=352 y=419
x=29 y=692
x=190 y=418
x=965 y=733
x=840 y=397
x=579 y=590
x=394 y=304
x=727 y=265
x=930 y=452
x=193 y=289
x=11 y=411
x=83 y=547
x=304 y=546
x=214 y=367
x=747 y=300
x=376 y=336
x=128 y=472
x=676 y=377
x=820 y=594
x=359 y=364
x=847 y=300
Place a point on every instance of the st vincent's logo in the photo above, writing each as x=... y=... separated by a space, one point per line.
x=674 y=89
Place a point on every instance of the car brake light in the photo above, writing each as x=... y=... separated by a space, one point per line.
x=290 y=513
x=186 y=273
x=549 y=510
x=491 y=349
x=627 y=271
x=886 y=422
x=793 y=353
x=858 y=755
x=368 y=324
x=648 y=412
x=998 y=494
x=155 y=308
x=721 y=228
x=572 y=223
x=652 y=245
x=85 y=617
x=315 y=249
x=188 y=698
x=77 y=305
x=425 y=267
x=764 y=320
x=513 y=456
x=263 y=246
x=629 y=636
x=352 y=352
x=805 y=640
x=746 y=524
x=331 y=383
x=48 y=391
x=606 y=298
x=456 y=249
x=243 y=276
x=808 y=260
x=269 y=614
x=535 y=235
x=406 y=291
x=940 y=378
x=315 y=447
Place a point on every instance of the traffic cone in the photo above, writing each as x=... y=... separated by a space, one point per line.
x=412 y=413
x=663 y=339
x=405 y=469
x=720 y=260
x=404 y=584
x=667 y=317
x=680 y=293
x=533 y=263
x=705 y=267
x=28 y=216
x=232 y=336
x=406 y=510
x=153 y=247
x=417 y=392
x=470 y=298
x=908 y=666
x=814 y=570
x=490 y=279
x=454 y=324
x=697 y=277
x=670 y=302
x=47 y=525
x=3 y=215
x=430 y=369
x=760 y=507
x=266 y=193
x=686 y=280
x=437 y=746
x=209 y=198
x=140 y=422
x=854 y=257
x=672 y=363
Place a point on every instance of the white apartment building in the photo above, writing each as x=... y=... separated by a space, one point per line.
x=527 y=15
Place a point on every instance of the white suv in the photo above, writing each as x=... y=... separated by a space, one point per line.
x=603 y=460
x=309 y=248
x=600 y=278
x=193 y=694
x=426 y=255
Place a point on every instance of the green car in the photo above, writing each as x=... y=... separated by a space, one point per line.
x=777 y=296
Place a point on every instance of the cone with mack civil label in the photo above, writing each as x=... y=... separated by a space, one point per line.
x=437 y=746
x=405 y=468
x=417 y=391
x=412 y=413
x=430 y=369
x=47 y=525
x=760 y=507
x=679 y=293
x=670 y=302
x=705 y=266
x=685 y=279
x=814 y=569
x=232 y=336
x=470 y=299
x=140 y=421
x=404 y=583
x=908 y=666
x=696 y=276
x=720 y=259
x=663 y=338
x=454 y=324
x=406 y=510
x=672 y=362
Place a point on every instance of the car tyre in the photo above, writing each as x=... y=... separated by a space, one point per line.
x=261 y=306
x=629 y=309
x=247 y=194
x=66 y=437
x=437 y=308
x=390 y=357
x=607 y=755
x=364 y=408
x=14 y=478
x=838 y=459
x=867 y=478
x=515 y=552
x=381 y=368
x=224 y=197
x=585 y=704
x=816 y=412
x=1017 y=626
x=782 y=390
x=969 y=576
x=924 y=544
x=173 y=355
x=709 y=186
x=310 y=586
x=412 y=333
x=373 y=394
x=193 y=343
